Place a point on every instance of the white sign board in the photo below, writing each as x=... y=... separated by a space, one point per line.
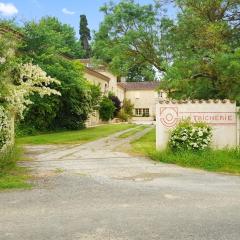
x=221 y=115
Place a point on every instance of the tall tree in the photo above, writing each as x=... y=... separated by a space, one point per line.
x=204 y=47
x=17 y=83
x=46 y=44
x=129 y=38
x=85 y=36
x=197 y=53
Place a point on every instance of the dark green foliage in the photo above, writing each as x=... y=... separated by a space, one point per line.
x=47 y=43
x=50 y=36
x=106 y=109
x=74 y=107
x=205 y=51
x=41 y=115
x=129 y=39
x=140 y=73
x=95 y=96
x=197 y=53
x=85 y=36
x=116 y=102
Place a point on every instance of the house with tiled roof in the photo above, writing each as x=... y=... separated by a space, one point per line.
x=143 y=95
x=95 y=74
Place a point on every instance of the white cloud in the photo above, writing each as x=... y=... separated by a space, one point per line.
x=8 y=9
x=66 y=11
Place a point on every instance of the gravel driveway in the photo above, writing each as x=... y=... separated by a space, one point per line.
x=95 y=191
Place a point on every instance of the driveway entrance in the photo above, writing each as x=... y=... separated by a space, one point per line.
x=97 y=191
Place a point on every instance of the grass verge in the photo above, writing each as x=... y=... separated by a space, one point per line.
x=12 y=176
x=71 y=137
x=226 y=161
x=133 y=131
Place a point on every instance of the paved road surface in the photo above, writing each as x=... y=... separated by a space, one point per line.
x=95 y=191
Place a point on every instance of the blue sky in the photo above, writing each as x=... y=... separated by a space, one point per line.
x=67 y=11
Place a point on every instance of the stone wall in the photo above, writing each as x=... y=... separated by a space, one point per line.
x=221 y=115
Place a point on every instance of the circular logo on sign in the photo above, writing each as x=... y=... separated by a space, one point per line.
x=169 y=116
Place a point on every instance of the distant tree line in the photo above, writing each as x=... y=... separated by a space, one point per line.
x=53 y=46
x=197 y=54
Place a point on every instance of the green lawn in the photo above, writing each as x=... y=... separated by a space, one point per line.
x=133 y=131
x=227 y=161
x=146 y=144
x=14 y=180
x=71 y=137
x=12 y=176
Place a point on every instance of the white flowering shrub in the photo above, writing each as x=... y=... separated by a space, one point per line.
x=32 y=79
x=5 y=128
x=17 y=83
x=190 y=136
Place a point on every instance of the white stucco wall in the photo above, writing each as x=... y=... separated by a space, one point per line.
x=112 y=82
x=221 y=115
x=143 y=99
x=120 y=94
x=113 y=87
x=104 y=85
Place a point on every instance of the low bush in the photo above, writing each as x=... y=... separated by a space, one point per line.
x=128 y=107
x=190 y=136
x=123 y=116
x=116 y=102
x=5 y=128
x=106 y=109
x=126 y=112
x=23 y=130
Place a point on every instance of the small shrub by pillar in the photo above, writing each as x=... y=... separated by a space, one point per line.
x=190 y=136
